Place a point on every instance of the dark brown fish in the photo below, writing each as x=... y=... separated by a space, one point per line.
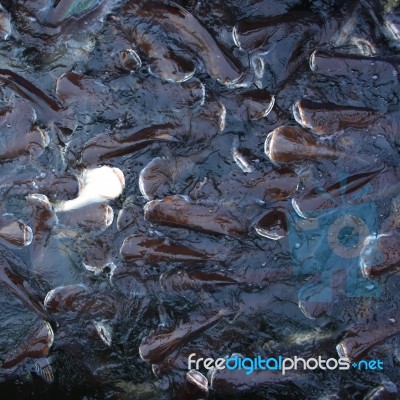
x=378 y=71
x=386 y=391
x=158 y=345
x=164 y=62
x=254 y=33
x=55 y=186
x=161 y=249
x=251 y=105
x=318 y=199
x=179 y=281
x=48 y=108
x=179 y=211
x=106 y=146
x=5 y=24
x=30 y=145
x=21 y=137
x=129 y=60
x=197 y=379
x=21 y=289
x=13 y=232
x=164 y=176
x=380 y=254
x=93 y=216
x=18 y=117
x=43 y=221
x=80 y=299
x=86 y=96
x=364 y=336
x=35 y=345
x=273 y=224
x=275 y=184
x=131 y=214
x=290 y=144
x=62 y=10
x=328 y=118
x=66 y=298
x=179 y=24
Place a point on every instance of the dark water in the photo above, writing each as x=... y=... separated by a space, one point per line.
x=227 y=238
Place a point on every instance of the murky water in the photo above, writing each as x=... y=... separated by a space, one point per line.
x=202 y=177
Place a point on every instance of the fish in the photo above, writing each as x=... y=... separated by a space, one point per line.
x=80 y=299
x=46 y=107
x=99 y=185
x=180 y=212
x=163 y=176
x=65 y=298
x=62 y=10
x=36 y=344
x=198 y=379
x=375 y=70
x=329 y=118
x=380 y=254
x=104 y=330
x=129 y=60
x=179 y=281
x=204 y=124
x=178 y=24
x=14 y=233
x=22 y=137
x=5 y=23
x=292 y=144
x=161 y=249
x=30 y=145
x=105 y=146
x=21 y=289
x=157 y=345
x=361 y=337
x=253 y=104
x=87 y=95
x=254 y=33
x=96 y=217
x=273 y=224
x=43 y=368
x=386 y=20
x=55 y=186
x=387 y=390
x=262 y=187
x=165 y=63
x=43 y=223
x=242 y=157
x=18 y=117
x=131 y=214
x=319 y=199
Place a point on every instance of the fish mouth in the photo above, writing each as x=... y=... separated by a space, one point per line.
x=109 y=216
x=268 y=234
x=313 y=62
x=342 y=352
x=269 y=108
x=268 y=147
x=28 y=235
x=304 y=310
x=222 y=118
x=235 y=37
x=297 y=114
